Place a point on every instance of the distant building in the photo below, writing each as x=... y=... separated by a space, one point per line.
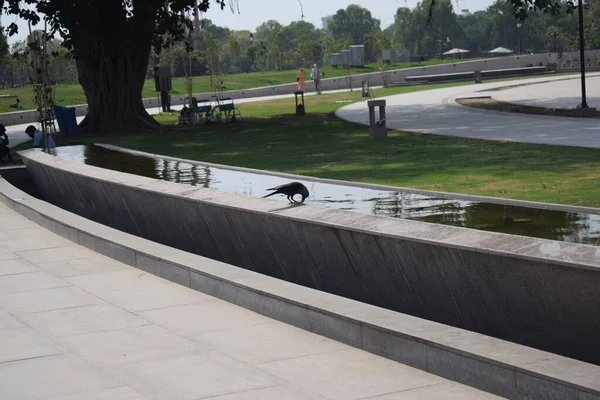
x=465 y=11
x=325 y=20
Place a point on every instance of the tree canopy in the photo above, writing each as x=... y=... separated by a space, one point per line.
x=522 y=8
x=88 y=22
x=354 y=23
x=544 y=29
x=111 y=42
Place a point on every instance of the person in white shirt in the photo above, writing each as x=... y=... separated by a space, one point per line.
x=38 y=137
x=315 y=75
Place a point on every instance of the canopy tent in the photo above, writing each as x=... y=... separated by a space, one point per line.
x=500 y=50
x=455 y=51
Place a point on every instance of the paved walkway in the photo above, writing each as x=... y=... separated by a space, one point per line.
x=436 y=112
x=75 y=325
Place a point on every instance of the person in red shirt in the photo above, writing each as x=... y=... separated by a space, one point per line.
x=301 y=79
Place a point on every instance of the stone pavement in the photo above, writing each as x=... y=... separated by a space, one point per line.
x=75 y=325
x=436 y=112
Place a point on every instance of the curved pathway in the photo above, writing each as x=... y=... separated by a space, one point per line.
x=436 y=112
x=75 y=325
x=558 y=94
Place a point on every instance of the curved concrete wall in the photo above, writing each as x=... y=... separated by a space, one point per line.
x=535 y=292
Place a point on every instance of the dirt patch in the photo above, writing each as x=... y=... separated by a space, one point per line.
x=487 y=103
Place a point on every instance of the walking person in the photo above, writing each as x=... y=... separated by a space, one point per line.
x=301 y=80
x=315 y=75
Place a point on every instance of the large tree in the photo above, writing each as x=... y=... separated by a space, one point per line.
x=355 y=22
x=111 y=42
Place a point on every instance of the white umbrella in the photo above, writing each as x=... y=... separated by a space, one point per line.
x=500 y=50
x=455 y=51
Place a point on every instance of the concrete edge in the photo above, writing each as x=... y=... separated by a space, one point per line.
x=498 y=367
x=571 y=255
x=448 y=195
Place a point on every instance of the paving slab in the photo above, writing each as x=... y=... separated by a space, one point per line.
x=342 y=374
x=282 y=392
x=52 y=376
x=47 y=300
x=116 y=393
x=81 y=320
x=16 y=266
x=114 y=331
x=81 y=266
x=25 y=343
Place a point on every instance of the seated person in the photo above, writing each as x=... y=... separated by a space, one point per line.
x=17 y=105
x=38 y=137
x=4 y=149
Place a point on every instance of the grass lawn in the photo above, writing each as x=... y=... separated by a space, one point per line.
x=73 y=94
x=270 y=137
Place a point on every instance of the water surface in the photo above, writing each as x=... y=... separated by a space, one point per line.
x=525 y=221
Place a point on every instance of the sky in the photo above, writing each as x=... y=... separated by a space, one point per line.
x=255 y=12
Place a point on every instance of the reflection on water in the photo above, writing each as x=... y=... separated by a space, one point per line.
x=542 y=223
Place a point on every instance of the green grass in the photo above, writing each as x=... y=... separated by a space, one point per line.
x=73 y=94
x=271 y=138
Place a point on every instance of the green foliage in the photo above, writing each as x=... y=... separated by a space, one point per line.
x=545 y=25
x=523 y=8
x=375 y=42
x=353 y=23
x=4 y=48
x=131 y=22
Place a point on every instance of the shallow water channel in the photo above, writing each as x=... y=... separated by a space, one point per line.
x=525 y=221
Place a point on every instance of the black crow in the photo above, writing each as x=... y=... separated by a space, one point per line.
x=290 y=190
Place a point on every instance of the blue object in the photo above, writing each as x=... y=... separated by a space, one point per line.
x=67 y=122
x=38 y=140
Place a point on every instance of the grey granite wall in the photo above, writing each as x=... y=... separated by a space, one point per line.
x=444 y=274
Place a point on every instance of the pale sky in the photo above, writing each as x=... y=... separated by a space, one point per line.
x=254 y=12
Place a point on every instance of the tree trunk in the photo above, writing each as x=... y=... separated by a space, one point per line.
x=113 y=86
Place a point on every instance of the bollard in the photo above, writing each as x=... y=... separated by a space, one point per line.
x=300 y=105
x=477 y=76
x=377 y=128
x=366 y=89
